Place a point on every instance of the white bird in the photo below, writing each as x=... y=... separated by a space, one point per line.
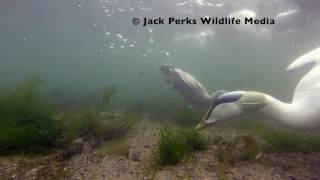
x=303 y=112
x=190 y=88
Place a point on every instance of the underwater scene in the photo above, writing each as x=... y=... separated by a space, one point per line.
x=160 y=89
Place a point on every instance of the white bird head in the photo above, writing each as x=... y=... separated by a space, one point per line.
x=232 y=104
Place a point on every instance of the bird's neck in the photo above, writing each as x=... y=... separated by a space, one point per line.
x=291 y=114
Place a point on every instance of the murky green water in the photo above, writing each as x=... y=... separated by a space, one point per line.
x=78 y=47
x=104 y=109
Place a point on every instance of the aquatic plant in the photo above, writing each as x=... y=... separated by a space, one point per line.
x=107 y=128
x=194 y=141
x=250 y=148
x=281 y=138
x=176 y=145
x=241 y=148
x=25 y=121
x=170 y=148
x=90 y=124
x=285 y=141
x=106 y=96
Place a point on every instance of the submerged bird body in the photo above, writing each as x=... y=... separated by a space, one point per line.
x=191 y=89
x=291 y=114
x=303 y=112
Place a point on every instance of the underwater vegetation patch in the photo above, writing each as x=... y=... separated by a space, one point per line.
x=241 y=148
x=231 y=151
x=92 y=121
x=193 y=140
x=282 y=139
x=25 y=121
x=176 y=145
x=98 y=124
x=107 y=128
x=91 y=124
x=29 y=124
x=170 y=148
x=106 y=97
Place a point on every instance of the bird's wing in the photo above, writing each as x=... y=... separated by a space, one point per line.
x=190 y=81
x=308 y=88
